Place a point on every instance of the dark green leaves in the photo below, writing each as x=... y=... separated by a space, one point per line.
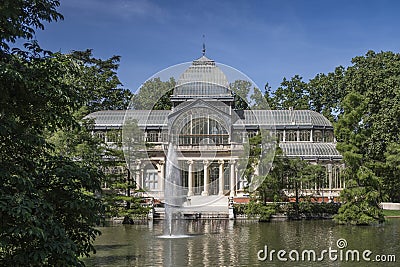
x=20 y=18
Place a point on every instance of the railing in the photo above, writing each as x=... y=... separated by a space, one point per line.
x=206 y=147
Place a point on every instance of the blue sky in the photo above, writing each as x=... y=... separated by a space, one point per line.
x=266 y=40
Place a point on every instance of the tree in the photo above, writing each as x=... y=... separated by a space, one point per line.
x=258 y=100
x=294 y=170
x=154 y=95
x=391 y=183
x=273 y=184
x=240 y=90
x=326 y=92
x=117 y=198
x=361 y=199
x=362 y=196
x=314 y=175
x=19 y=19
x=363 y=102
x=101 y=82
x=269 y=97
x=49 y=201
x=292 y=93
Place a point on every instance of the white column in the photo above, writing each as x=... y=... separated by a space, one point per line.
x=161 y=177
x=330 y=181
x=221 y=177
x=232 y=178
x=142 y=184
x=205 y=191
x=137 y=175
x=190 y=178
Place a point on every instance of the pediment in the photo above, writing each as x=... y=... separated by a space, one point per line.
x=213 y=106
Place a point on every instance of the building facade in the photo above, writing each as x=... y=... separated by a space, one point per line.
x=209 y=135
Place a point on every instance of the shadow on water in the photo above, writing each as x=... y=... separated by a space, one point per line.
x=122 y=260
x=110 y=247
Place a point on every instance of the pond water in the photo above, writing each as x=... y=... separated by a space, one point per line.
x=244 y=243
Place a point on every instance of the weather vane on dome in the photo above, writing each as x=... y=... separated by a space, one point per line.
x=204 y=45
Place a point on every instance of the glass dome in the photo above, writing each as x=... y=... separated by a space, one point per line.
x=202 y=79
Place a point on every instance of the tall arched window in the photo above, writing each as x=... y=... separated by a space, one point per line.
x=291 y=136
x=328 y=136
x=279 y=136
x=203 y=130
x=305 y=135
x=101 y=135
x=317 y=136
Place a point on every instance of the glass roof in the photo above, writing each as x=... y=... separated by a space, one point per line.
x=149 y=118
x=115 y=118
x=285 y=118
x=310 y=150
x=250 y=117
x=111 y=118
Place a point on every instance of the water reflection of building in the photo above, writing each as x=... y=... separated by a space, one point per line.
x=205 y=121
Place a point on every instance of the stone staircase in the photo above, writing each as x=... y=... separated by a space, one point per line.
x=205 y=207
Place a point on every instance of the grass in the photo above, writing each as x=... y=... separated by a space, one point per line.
x=391 y=212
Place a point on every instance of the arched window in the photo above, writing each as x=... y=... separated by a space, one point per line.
x=279 y=136
x=101 y=135
x=305 y=135
x=153 y=136
x=317 y=136
x=328 y=136
x=203 y=131
x=291 y=136
x=114 y=136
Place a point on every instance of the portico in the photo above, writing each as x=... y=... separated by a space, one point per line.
x=202 y=177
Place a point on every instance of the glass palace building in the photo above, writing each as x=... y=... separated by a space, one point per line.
x=207 y=134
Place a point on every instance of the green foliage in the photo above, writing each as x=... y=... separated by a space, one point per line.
x=361 y=200
x=254 y=149
x=116 y=204
x=50 y=165
x=364 y=102
x=291 y=94
x=240 y=90
x=260 y=211
x=326 y=91
x=258 y=100
x=154 y=95
x=47 y=203
x=117 y=197
x=294 y=172
x=271 y=188
x=101 y=82
x=20 y=18
x=391 y=169
x=286 y=173
x=367 y=131
x=302 y=210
